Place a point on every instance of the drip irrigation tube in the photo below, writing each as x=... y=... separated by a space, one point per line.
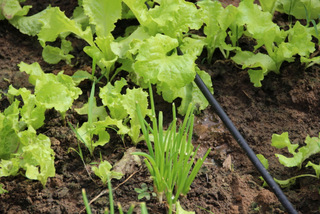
x=244 y=145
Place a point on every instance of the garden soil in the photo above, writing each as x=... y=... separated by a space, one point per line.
x=227 y=183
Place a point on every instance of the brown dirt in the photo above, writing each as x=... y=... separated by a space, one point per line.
x=228 y=182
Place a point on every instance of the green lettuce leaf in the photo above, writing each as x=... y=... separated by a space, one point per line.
x=156 y=64
x=174 y=17
x=282 y=141
x=301 y=40
x=2 y=190
x=37 y=158
x=259 y=25
x=55 y=22
x=128 y=46
x=29 y=25
x=9 y=167
x=80 y=17
x=192 y=47
x=310 y=61
x=103 y=14
x=21 y=148
x=316 y=168
x=188 y=94
x=32 y=113
x=129 y=101
x=259 y=60
x=180 y=210
x=265 y=163
x=110 y=122
x=53 y=55
x=122 y=106
x=81 y=75
x=11 y=8
x=97 y=127
x=9 y=140
x=102 y=53
x=172 y=73
x=111 y=97
x=87 y=131
x=268 y=5
x=140 y=10
x=217 y=20
x=52 y=91
x=98 y=113
x=171 y=17
x=304 y=152
x=298 y=8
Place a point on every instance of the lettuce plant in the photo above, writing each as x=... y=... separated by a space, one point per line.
x=217 y=21
x=159 y=19
x=93 y=21
x=311 y=147
x=52 y=23
x=52 y=91
x=20 y=146
x=259 y=26
x=300 y=9
x=151 y=54
x=122 y=116
x=104 y=172
x=282 y=141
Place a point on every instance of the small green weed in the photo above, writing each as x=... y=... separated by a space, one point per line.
x=145 y=192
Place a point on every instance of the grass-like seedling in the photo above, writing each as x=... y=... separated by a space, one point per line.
x=171 y=159
x=111 y=202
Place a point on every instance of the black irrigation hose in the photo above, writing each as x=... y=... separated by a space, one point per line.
x=244 y=145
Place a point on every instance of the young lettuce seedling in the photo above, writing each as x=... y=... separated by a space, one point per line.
x=312 y=147
x=104 y=172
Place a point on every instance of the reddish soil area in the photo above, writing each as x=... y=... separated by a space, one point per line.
x=228 y=181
